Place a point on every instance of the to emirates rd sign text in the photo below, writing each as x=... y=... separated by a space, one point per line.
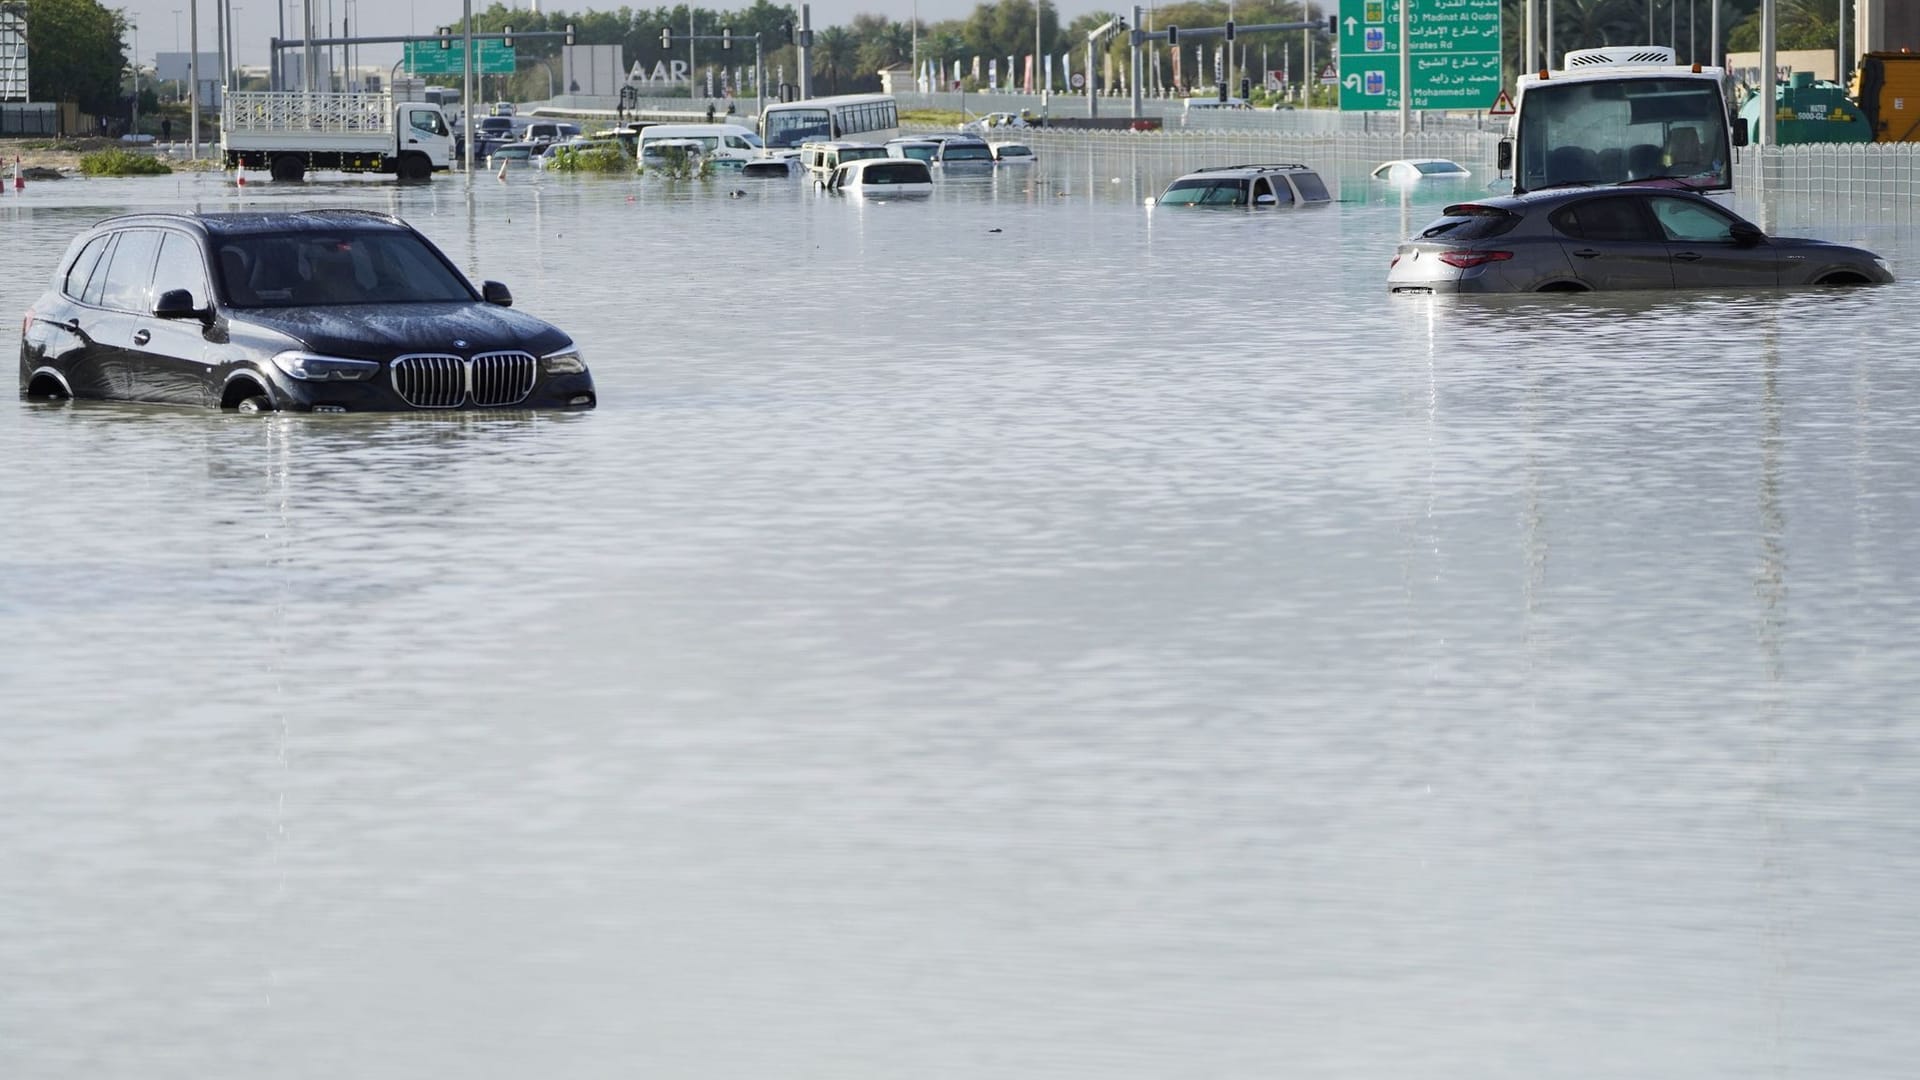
x=1456 y=54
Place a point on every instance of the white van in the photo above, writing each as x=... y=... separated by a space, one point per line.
x=717 y=141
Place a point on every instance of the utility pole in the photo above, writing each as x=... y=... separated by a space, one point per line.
x=806 y=50
x=193 y=71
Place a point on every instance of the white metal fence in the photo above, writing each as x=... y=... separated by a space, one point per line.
x=288 y=110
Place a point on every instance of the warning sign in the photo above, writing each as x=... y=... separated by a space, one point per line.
x=1330 y=75
x=1502 y=105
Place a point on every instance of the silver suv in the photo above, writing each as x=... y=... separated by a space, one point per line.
x=1258 y=186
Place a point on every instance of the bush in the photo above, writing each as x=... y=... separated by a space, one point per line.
x=677 y=164
x=592 y=159
x=118 y=162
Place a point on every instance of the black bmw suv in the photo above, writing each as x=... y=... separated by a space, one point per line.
x=321 y=311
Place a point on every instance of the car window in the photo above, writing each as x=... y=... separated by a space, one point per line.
x=1312 y=188
x=180 y=268
x=426 y=120
x=899 y=173
x=1686 y=220
x=1210 y=192
x=97 y=281
x=1438 y=167
x=130 y=273
x=1614 y=219
x=82 y=268
x=301 y=269
x=1471 y=222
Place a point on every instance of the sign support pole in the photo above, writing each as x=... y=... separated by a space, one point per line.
x=1406 y=68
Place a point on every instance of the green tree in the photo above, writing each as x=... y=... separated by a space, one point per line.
x=75 y=53
x=835 y=53
x=1804 y=24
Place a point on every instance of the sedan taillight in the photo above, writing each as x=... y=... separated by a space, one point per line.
x=1465 y=259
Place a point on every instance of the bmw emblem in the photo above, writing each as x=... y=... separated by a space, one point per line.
x=458 y=344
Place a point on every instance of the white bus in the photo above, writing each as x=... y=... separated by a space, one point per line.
x=873 y=118
x=1623 y=114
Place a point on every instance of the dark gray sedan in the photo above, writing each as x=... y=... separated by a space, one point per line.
x=1580 y=239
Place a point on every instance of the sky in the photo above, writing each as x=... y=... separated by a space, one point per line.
x=257 y=21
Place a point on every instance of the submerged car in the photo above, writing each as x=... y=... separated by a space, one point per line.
x=320 y=311
x=1258 y=186
x=1412 y=170
x=963 y=150
x=881 y=177
x=1012 y=153
x=1583 y=239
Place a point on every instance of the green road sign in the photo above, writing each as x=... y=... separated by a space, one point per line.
x=1456 y=53
x=428 y=58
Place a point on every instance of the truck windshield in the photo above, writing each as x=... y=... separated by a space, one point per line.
x=301 y=269
x=1618 y=130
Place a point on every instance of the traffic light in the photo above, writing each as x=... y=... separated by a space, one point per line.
x=506 y=36
x=666 y=37
x=726 y=37
x=446 y=37
x=786 y=32
x=1229 y=31
x=1246 y=89
x=1173 y=35
x=1333 y=25
x=569 y=33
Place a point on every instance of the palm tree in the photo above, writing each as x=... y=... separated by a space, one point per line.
x=835 y=50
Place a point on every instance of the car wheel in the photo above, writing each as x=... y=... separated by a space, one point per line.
x=415 y=167
x=1563 y=286
x=258 y=403
x=1845 y=277
x=289 y=167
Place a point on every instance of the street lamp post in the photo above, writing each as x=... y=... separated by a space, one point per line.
x=193 y=72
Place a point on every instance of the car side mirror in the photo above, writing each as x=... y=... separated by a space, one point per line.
x=1740 y=131
x=1504 y=158
x=1746 y=233
x=495 y=293
x=178 y=304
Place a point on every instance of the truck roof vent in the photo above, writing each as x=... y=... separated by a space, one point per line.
x=1616 y=55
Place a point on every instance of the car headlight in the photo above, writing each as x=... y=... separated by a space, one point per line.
x=565 y=362
x=311 y=368
x=1883 y=264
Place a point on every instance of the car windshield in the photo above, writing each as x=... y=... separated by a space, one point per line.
x=1431 y=168
x=1622 y=130
x=301 y=269
x=1215 y=191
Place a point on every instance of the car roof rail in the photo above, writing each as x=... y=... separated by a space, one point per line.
x=354 y=210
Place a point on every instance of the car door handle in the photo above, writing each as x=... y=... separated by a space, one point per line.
x=141 y=337
x=413 y=142
x=1687 y=256
x=1586 y=253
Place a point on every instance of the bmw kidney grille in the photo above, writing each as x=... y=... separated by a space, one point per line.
x=435 y=381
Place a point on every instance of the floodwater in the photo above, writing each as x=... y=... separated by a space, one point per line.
x=1011 y=634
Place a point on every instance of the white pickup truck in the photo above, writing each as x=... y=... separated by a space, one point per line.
x=288 y=132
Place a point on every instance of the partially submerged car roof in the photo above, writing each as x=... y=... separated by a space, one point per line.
x=254 y=222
